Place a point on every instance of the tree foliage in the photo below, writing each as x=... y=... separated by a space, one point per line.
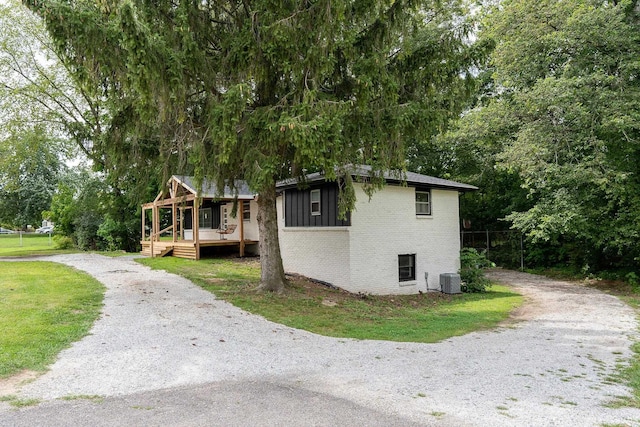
x=563 y=119
x=38 y=91
x=263 y=90
x=30 y=166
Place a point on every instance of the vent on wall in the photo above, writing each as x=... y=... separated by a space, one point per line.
x=450 y=283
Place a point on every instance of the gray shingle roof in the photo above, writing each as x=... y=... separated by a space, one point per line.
x=209 y=190
x=411 y=178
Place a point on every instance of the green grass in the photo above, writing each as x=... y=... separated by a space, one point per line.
x=44 y=307
x=17 y=402
x=428 y=317
x=31 y=244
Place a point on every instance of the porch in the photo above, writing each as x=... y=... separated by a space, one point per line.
x=187 y=248
x=183 y=221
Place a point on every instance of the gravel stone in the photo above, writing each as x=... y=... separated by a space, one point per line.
x=551 y=366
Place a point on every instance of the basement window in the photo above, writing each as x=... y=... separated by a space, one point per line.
x=406 y=267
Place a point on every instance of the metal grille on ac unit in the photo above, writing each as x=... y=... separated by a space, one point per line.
x=450 y=283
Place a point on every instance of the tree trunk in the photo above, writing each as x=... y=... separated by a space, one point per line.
x=272 y=276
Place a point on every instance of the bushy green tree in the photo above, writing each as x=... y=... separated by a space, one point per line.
x=86 y=208
x=263 y=90
x=37 y=91
x=30 y=167
x=563 y=120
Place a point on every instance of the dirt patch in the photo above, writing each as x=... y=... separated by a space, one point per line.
x=13 y=384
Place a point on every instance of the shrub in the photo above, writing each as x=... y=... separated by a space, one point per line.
x=63 y=242
x=472 y=265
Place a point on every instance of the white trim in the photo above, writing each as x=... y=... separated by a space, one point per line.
x=407 y=283
x=342 y=229
x=319 y=202
x=429 y=203
x=248 y=204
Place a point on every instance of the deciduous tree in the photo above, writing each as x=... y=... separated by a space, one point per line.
x=565 y=121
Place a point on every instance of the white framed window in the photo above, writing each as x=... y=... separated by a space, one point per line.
x=315 y=202
x=423 y=202
x=205 y=218
x=406 y=267
x=246 y=211
x=225 y=218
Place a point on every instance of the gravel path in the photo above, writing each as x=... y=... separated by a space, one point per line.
x=159 y=331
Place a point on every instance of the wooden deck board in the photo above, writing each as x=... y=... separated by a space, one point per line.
x=186 y=248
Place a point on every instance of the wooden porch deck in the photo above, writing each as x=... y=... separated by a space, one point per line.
x=187 y=248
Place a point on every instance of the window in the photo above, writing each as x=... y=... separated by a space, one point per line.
x=204 y=218
x=246 y=211
x=423 y=202
x=315 y=202
x=225 y=219
x=406 y=267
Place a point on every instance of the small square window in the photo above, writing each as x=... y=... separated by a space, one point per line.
x=423 y=202
x=406 y=267
x=315 y=202
x=246 y=211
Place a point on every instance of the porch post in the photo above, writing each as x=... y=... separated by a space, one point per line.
x=143 y=223
x=241 y=224
x=196 y=226
x=181 y=223
x=153 y=227
x=174 y=222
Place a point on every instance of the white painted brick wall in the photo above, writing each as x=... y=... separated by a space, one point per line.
x=387 y=226
x=364 y=257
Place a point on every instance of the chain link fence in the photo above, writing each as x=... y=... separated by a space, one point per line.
x=505 y=248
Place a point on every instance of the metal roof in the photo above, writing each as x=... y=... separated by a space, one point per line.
x=411 y=178
x=210 y=191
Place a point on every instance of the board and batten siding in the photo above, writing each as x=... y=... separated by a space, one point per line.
x=298 y=207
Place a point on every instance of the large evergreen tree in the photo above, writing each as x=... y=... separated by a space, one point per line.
x=263 y=90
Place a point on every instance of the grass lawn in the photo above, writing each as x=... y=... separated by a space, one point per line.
x=44 y=307
x=305 y=305
x=31 y=244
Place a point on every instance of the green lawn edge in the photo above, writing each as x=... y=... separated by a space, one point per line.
x=426 y=318
x=44 y=308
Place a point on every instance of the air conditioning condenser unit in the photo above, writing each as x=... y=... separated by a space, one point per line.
x=450 y=283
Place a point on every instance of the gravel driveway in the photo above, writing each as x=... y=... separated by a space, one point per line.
x=159 y=333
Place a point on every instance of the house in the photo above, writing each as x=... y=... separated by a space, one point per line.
x=175 y=227
x=397 y=242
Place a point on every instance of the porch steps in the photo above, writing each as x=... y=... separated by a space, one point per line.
x=165 y=252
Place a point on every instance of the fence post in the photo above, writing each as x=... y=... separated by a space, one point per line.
x=521 y=253
x=487 y=242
